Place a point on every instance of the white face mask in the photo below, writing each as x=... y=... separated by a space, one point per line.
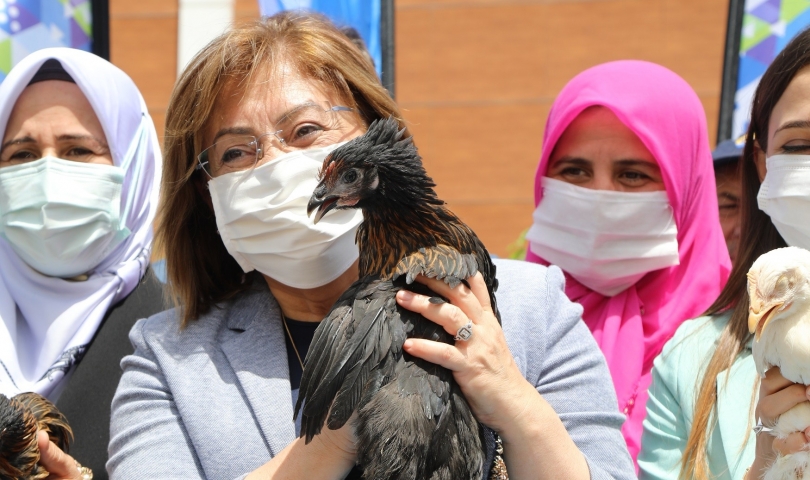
x=262 y=219
x=606 y=240
x=62 y=218
x=785 y=196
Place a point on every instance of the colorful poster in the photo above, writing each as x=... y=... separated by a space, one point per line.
x=363 y=15
x=29 y=25
x=768 y=25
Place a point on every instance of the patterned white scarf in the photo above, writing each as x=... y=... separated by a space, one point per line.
x=46 y=322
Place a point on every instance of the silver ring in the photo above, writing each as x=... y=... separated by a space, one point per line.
x=465 y=332
x=759 y=427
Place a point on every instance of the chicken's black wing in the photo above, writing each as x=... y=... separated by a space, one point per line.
x=356 y=362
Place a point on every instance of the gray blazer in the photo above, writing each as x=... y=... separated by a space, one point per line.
x=214 y=401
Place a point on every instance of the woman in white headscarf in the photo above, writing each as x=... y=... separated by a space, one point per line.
x=79 y=176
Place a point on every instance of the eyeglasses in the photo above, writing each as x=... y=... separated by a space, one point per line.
x=311 y=125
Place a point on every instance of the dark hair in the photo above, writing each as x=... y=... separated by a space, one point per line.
x=51 y=70
x=758 y=235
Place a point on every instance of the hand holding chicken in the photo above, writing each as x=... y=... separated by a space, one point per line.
x=779 y=318
x=21 y=418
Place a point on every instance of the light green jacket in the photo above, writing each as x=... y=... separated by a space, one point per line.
x=676 y=378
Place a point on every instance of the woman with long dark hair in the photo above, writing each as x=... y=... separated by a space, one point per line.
x=705 y=395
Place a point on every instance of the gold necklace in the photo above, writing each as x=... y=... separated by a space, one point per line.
x=295 y=349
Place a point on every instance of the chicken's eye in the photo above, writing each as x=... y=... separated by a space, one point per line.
x=350 y=176
x=782 y=287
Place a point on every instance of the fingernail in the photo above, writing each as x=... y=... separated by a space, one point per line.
x=807 y=393
x=405 y=295
x=436 y=300
x=408 y=344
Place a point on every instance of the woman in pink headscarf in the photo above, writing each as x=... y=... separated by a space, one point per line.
x=626 y=207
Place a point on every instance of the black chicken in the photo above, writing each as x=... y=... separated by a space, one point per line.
x=412 y=420
x=20 y=418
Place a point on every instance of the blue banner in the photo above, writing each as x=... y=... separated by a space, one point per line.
x=30 y=25
x=768 y=25
x=362 y=15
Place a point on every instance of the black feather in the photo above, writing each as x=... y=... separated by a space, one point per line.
x=412 y=419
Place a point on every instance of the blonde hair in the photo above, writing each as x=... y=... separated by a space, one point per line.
x=200 y=271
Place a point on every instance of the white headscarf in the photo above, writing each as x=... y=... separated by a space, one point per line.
x=46 y=322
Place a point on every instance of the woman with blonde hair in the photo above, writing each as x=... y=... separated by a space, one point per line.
x=705 y=395
x=209 y=392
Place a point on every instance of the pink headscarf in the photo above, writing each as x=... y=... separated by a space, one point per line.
x=632 y=327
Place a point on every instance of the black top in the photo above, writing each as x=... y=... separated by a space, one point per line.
x=302 y=333
x=87 y=397
x=51 y=70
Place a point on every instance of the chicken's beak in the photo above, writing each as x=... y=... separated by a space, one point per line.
x=759 y=315
x=321 y=201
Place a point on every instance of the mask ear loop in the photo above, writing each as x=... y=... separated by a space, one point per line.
x=671 y=222
x=133 y=165
x=762 y=192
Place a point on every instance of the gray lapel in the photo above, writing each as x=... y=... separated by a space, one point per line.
x=733 y=406
x=252 y=344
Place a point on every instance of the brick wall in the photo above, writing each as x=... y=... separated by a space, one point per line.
x=476 y=79
x=143 y=43
x=245 y=10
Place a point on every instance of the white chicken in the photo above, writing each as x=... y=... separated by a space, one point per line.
x=779 y=318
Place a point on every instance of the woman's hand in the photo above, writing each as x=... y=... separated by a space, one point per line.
x=483 y=365
x=536 y=444
x=342 y=442
x=330 y=455
x=59 y=464
x=777 y=395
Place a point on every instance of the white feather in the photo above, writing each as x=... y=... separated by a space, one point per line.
x=785 y=343
x=782 y=277
x=794 y=420
x=789 y=467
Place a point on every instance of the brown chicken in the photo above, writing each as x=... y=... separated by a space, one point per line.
x=412 y=419
x=20 y=418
